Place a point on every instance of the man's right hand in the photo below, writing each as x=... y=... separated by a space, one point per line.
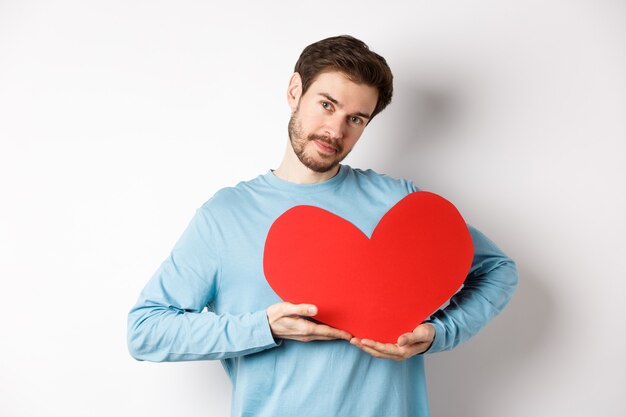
x=287 y=322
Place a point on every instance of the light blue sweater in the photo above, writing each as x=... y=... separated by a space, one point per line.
x=218 y=264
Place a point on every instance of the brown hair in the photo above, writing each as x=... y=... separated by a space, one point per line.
x=353 y=58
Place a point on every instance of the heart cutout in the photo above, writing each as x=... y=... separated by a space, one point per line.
x=379 y=287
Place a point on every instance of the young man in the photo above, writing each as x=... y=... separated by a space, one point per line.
x=281 y=364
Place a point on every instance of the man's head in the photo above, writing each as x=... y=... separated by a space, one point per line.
x=351 y=57
x=338 y=86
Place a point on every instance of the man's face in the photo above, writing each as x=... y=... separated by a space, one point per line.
x=327 y=121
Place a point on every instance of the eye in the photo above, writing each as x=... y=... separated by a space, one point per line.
x=356 y=120
x=326 y=105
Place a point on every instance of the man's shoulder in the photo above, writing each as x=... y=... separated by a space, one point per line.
x=239 y=193
x=383 y=182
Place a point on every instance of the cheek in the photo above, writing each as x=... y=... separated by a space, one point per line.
x=311 y=124
x=310 y=116
x=351 y=139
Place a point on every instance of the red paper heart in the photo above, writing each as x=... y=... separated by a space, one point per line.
x=377 y=288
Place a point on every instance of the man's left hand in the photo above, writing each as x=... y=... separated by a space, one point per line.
x=409 y=344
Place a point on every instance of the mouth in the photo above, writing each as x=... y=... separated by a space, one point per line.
x=324 y=147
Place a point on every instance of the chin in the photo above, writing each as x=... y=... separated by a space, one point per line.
x=321 y=166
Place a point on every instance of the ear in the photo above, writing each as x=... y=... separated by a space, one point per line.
x=294 y=91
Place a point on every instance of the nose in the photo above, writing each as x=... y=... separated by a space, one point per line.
x=335 y=126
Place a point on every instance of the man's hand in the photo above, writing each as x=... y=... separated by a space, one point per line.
x=409 y=344
x=286 y=322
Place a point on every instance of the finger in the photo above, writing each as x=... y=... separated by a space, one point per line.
x=389 y=351
x=302 y=329
x=307 y=329
x=424 y=333
x=313 y=338
x=306 y=310
x=381 y=347
x=408 y=339
x=376 y=353
x=384 y=348
x=330 y=332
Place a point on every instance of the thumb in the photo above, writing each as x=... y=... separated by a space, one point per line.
x=308 y=310
x=286 y=309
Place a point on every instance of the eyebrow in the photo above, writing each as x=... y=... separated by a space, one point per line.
x=336 y=103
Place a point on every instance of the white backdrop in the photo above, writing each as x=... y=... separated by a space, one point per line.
x=119 y=118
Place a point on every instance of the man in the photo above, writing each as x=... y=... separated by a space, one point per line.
x=279 y=362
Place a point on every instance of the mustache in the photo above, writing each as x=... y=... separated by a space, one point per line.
x=328 y=141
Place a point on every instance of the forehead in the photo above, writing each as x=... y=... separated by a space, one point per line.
x=355 y=97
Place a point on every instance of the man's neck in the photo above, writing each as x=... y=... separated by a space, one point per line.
x=292 y=170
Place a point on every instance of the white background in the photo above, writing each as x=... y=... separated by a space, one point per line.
x=119 y=118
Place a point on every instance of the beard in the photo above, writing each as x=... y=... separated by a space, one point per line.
x=317 y=162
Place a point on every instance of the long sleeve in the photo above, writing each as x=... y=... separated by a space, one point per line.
x=168 y=322
x=486 y=291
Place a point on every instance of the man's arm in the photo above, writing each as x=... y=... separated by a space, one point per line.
x=168 y=324
x=489 y=286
